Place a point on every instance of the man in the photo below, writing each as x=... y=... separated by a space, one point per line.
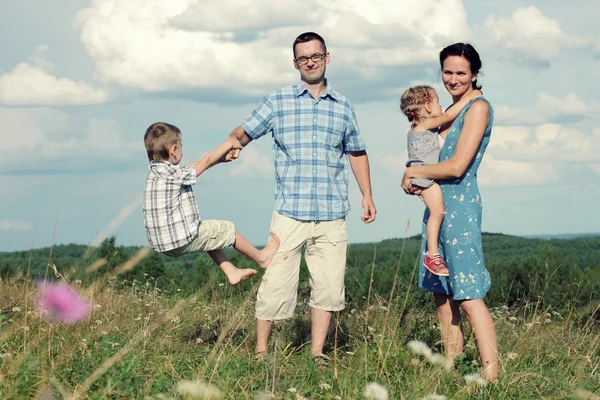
x=313 y=128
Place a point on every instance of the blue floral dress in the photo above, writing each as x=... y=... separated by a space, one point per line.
x=460 y=234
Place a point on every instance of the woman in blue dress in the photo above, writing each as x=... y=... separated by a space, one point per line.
x=460 y=236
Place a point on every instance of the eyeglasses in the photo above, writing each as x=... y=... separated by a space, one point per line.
x=317 y=57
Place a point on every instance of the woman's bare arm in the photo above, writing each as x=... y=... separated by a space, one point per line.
x=476 y=120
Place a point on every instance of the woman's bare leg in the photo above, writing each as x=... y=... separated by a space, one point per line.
x=448 y=313
x=484 y=331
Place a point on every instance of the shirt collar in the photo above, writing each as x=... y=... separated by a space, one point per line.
x=301 y=89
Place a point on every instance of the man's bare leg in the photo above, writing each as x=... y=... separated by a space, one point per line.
x=319 y=321
x=234 y=274
x=263 y=333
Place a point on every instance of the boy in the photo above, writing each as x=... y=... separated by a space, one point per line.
x=172 y=220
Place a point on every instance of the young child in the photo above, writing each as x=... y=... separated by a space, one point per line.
x=172 y=220
x=421 y=106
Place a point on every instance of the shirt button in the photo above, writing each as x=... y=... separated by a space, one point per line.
x=314 y=137
x=314 y=171
x=314 y=154
x=315 y=120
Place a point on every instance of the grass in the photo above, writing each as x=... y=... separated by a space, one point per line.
x=144 y=343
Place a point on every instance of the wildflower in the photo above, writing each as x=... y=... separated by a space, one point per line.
x=176 y=320
x=435 y=396
x=512 y=318
x=264 y=396
x=325 y=386
x=511 y=356
x=198 y=390
x=547 y=320
x=292 y=390
x=350 y=353
x=475 y=378
x=16 y=309
x=59 y=302
x=375 y=391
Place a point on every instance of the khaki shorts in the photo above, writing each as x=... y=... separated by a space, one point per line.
x=326 y=244
x=212 y=235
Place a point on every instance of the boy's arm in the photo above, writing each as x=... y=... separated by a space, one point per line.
x=215 y=156
x=450 y=114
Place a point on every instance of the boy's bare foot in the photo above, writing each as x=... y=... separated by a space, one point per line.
x=266 y=254
x=240 y=275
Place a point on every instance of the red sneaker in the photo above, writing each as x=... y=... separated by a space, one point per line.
x=435 y=265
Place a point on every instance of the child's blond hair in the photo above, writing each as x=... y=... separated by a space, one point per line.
x=159 y=138
x=413 y=99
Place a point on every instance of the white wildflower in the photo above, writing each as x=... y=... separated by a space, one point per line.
x=98 y=322
x=292 y=390
x=16 y=309
x=198 y=390
x=264 y=396
x=176 y=320
x=547 y=320
x=511 y=356
x=325 y=386
x=419 y=347
x=512 y=318
x=475 y=378
x=435 y=396
x=350 y=353
x=375 y=391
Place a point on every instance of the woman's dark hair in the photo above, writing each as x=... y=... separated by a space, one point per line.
x=466 y=51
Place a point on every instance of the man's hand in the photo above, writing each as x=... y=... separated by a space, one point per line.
x=370 y=210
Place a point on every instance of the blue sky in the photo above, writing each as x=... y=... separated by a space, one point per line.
x=81 y=80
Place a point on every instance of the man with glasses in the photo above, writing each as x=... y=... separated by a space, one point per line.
x=315 y=137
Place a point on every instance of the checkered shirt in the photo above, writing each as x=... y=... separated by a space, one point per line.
x=310 y=141
x=170 y=211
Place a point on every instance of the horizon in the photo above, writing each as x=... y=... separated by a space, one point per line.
x=77 y=92
x=558 y=236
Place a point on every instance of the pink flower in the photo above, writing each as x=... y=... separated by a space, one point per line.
x=59 y=302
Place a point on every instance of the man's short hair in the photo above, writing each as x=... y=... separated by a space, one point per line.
x=159 y=138
x=307 y=37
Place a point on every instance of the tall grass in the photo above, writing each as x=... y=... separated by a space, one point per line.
x=144 y=343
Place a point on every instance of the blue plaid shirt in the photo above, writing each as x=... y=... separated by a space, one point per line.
x=310 y=141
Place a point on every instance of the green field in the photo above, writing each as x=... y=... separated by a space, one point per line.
x=166 y=328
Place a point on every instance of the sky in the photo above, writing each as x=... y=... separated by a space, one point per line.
x=81 y=80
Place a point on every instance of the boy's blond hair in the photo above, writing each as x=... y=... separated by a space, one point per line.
x=159 y=138
x=413 y=99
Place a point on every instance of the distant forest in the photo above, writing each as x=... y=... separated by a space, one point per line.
x=551 y=272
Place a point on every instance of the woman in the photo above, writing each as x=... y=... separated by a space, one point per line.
x=460 y=237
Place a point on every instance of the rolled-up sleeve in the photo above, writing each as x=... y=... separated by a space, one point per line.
x=260 y=121
x=352 y=139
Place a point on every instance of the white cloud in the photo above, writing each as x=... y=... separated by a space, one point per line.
x=495 y=172
x=44 y=141
x=548 y=109
x=27 y=85
x=530 y=36
x=246 y=47
x=20 y=226
x=253 y=162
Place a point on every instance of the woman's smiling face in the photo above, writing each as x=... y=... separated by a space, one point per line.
x=457 y=76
